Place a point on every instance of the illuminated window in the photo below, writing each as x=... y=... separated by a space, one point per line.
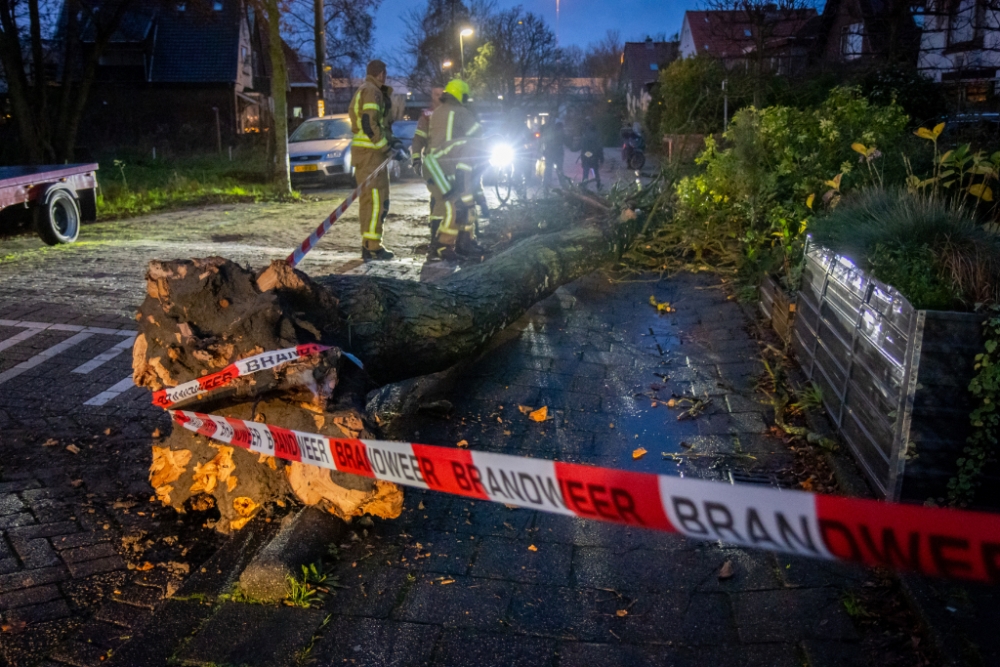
x=296 y=112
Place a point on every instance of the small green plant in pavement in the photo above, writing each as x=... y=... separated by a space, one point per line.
x=312 y=588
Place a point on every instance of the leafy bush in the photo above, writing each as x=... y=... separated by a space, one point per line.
x=928 y=248
x=755 y=196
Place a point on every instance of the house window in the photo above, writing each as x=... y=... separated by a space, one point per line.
x=851 y=39
x=976 y=93
x=965 y=22
x=296 y=112
x=654 y=66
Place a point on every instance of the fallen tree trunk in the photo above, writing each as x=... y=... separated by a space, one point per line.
x=201 y=315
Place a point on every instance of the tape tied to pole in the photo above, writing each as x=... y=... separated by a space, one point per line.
x=299 y=253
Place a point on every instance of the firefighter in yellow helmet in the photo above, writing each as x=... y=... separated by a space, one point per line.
x=419 y=145
x=454 y=151
x=373 y=143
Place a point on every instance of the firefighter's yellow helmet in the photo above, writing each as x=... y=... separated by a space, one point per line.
x=458 y=89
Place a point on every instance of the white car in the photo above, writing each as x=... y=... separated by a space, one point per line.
x=319 y=151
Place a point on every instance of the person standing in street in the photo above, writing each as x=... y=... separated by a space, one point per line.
x=553 y=151
x=591 y=154
x=451 y=158
x=419 y=146
x=371 y=146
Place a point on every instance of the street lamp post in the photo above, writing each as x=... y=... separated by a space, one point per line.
x=466 y=32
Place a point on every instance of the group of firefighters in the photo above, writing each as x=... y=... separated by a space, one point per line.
x=448 y=150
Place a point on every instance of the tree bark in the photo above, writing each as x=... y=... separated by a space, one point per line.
x=201 y=315
x=279 y=93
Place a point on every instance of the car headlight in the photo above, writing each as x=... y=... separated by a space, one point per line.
x=502 y=155
x=334 y=154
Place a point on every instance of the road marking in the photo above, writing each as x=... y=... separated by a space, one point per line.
x=105 y=356
x=43 y=356
x=17 y=338
x=112 y=392
x=42 y=326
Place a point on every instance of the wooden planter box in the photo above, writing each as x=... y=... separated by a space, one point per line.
x=777 y=307
x=894 y=379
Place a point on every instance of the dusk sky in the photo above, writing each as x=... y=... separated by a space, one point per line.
x=581 y=21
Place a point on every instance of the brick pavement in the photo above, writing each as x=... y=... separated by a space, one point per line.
x=70 y=523
x=453 y=581
x=458 y=582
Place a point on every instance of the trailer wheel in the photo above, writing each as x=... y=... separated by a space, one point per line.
x=57 y=219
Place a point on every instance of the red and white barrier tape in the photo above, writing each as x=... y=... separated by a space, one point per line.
x=299 y=253
x=164 y=398
x=941 y=542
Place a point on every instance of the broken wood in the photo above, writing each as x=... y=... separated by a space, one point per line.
x=201 y=315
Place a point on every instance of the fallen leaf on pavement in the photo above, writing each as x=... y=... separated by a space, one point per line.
x=621 y=613
x=672 y=403
x=808 y=484
x=462 y=443
x=539 y=415
x=420 y=506
x=75 y=482
x=51 y=442
x=107 y=431
x=447 y=581
x=726 y=571
x=145 y=566
x=532 y=548
x=14 y=626
x=525 y=409
x=156 y=433
x=638 y=453
x=73 y=449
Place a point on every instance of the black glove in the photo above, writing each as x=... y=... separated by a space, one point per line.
x=401 y=154
x=395 y=144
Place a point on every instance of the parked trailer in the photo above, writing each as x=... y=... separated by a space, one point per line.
x=59 y=197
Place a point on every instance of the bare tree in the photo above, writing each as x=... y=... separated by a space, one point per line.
x=758 y=35
x=49 y=80
x=519 y=57
x=602 y=60
x=432 y=38
x=339 y=32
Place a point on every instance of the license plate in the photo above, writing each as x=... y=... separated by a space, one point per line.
x=305 y=167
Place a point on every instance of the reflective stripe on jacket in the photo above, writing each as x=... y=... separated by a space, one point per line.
x=368 y=101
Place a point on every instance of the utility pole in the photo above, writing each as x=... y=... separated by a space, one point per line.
x=725 y=106
x=320 y=40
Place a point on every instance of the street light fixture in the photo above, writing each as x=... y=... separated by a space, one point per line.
x=466 y=32
x=446 y=64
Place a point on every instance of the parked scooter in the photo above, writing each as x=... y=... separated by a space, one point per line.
x=633 y=149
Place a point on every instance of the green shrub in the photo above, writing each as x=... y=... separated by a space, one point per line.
x=756 y=194
x=929 y=249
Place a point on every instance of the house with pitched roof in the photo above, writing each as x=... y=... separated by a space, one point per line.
x=641 y=65
x=861 y=33
x=735 y=37
x=960 y=47
x=190 y=74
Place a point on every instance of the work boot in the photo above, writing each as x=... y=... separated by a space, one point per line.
x=379 y=255
x=446 y=253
